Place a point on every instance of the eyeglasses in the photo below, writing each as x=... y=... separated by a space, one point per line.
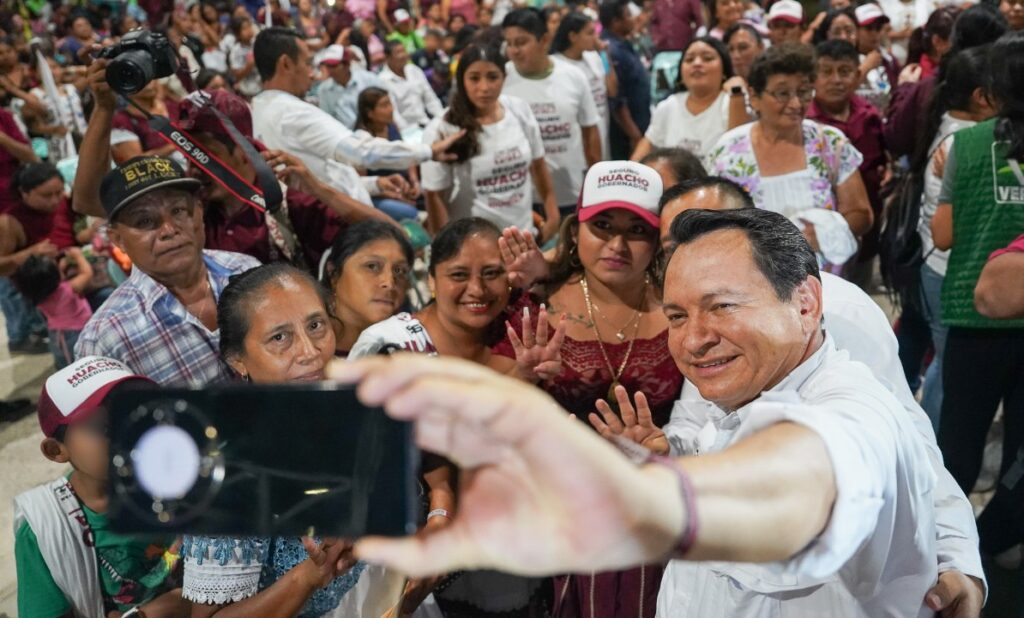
x=785 y=96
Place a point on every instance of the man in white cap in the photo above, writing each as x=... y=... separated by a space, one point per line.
x=880 y=68
x=785 y=22
x=338 y=95
x=405 y=31
x=411 y=94
x=68 y=562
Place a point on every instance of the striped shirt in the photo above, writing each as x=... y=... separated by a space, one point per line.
x=144 y=326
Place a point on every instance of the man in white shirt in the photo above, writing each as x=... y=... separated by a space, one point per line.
x=817 y=497
x=283 y=121
x=411 y=93
x=560 y=97
x=859 y=327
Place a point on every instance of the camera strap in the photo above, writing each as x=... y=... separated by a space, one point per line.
x=266 y=198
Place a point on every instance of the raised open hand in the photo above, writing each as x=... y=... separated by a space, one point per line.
x=634 y=424
x=538 y=356
x=524 y=262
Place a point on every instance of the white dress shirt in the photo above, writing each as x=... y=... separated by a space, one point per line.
x=330 y=150
x=858 y=325
x=412 y=95
x=876 y=556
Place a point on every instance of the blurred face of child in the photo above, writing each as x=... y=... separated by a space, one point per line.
x=85 y=447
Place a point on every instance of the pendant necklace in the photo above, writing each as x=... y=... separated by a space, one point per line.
x=600 y=344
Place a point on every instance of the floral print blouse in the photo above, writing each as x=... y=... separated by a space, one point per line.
x=831 y=160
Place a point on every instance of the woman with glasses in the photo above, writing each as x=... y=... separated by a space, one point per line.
x=794 y=166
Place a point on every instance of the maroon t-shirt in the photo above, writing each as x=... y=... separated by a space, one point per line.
x=37 y=225
x=63 y=232
x=149 y=138
x=246 y=231
x=8 y=162
x=865 y=130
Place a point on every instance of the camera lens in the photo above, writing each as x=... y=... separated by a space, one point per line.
x=130 y=71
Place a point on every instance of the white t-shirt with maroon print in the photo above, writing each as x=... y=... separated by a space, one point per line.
x=495 y=184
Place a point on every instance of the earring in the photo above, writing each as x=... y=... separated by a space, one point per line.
x=574 y=258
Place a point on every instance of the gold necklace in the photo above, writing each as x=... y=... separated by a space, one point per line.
x=600 y=344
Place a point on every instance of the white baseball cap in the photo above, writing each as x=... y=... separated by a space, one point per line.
x=76 y=392
x=868 y=14
x=402 y=15
x=786 y=10
x=620 y=184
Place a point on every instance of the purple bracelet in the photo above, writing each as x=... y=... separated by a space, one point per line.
x=689 y=503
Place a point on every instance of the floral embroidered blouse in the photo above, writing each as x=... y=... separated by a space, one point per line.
x=831 y=160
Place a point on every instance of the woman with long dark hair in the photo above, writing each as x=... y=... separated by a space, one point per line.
x=959 y=101
x=710 y=101
x=576 y=42
x=929 y=43
x=978 y=25
x=498 y=158
x=981 y=209
x=367 y=269
x=375 y=115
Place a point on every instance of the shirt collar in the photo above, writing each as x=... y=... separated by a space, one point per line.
x=153 y=292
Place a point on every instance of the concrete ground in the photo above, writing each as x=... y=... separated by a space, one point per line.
x=21 y=464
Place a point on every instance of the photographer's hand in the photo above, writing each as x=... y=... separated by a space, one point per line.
x=292 y=171
x=94 y=153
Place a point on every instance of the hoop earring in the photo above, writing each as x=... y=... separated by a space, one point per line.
x=574 y=258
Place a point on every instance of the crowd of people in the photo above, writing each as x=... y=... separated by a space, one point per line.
x=645 y=230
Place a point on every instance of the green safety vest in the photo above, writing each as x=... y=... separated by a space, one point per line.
x=988 y=214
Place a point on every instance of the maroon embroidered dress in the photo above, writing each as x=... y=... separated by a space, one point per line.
x=585 y=378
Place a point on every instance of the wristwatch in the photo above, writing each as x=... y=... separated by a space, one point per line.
x=736 y=91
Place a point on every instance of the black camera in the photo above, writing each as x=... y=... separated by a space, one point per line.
x=259 y=460
x=140 y=57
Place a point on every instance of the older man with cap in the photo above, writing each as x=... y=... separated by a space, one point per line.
x=339 y=93
x=162 y=321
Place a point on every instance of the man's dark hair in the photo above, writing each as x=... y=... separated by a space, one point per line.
x=391 y=46
x=529 y=19
x=729 y=190
x=609 y=11
x=838 y=50
x=684 y=164
x=779 y=248
x=270 y=45
x=785 y=59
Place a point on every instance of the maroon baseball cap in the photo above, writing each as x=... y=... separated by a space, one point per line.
x=194 y=117
x=76 y=392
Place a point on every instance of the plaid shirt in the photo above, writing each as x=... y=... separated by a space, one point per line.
x=144 y=326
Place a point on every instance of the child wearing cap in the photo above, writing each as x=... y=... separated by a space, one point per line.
x=68 y=562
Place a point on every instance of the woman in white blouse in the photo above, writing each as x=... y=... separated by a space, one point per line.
x=710 y=101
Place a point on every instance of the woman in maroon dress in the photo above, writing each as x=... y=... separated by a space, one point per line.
x=605 y=279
